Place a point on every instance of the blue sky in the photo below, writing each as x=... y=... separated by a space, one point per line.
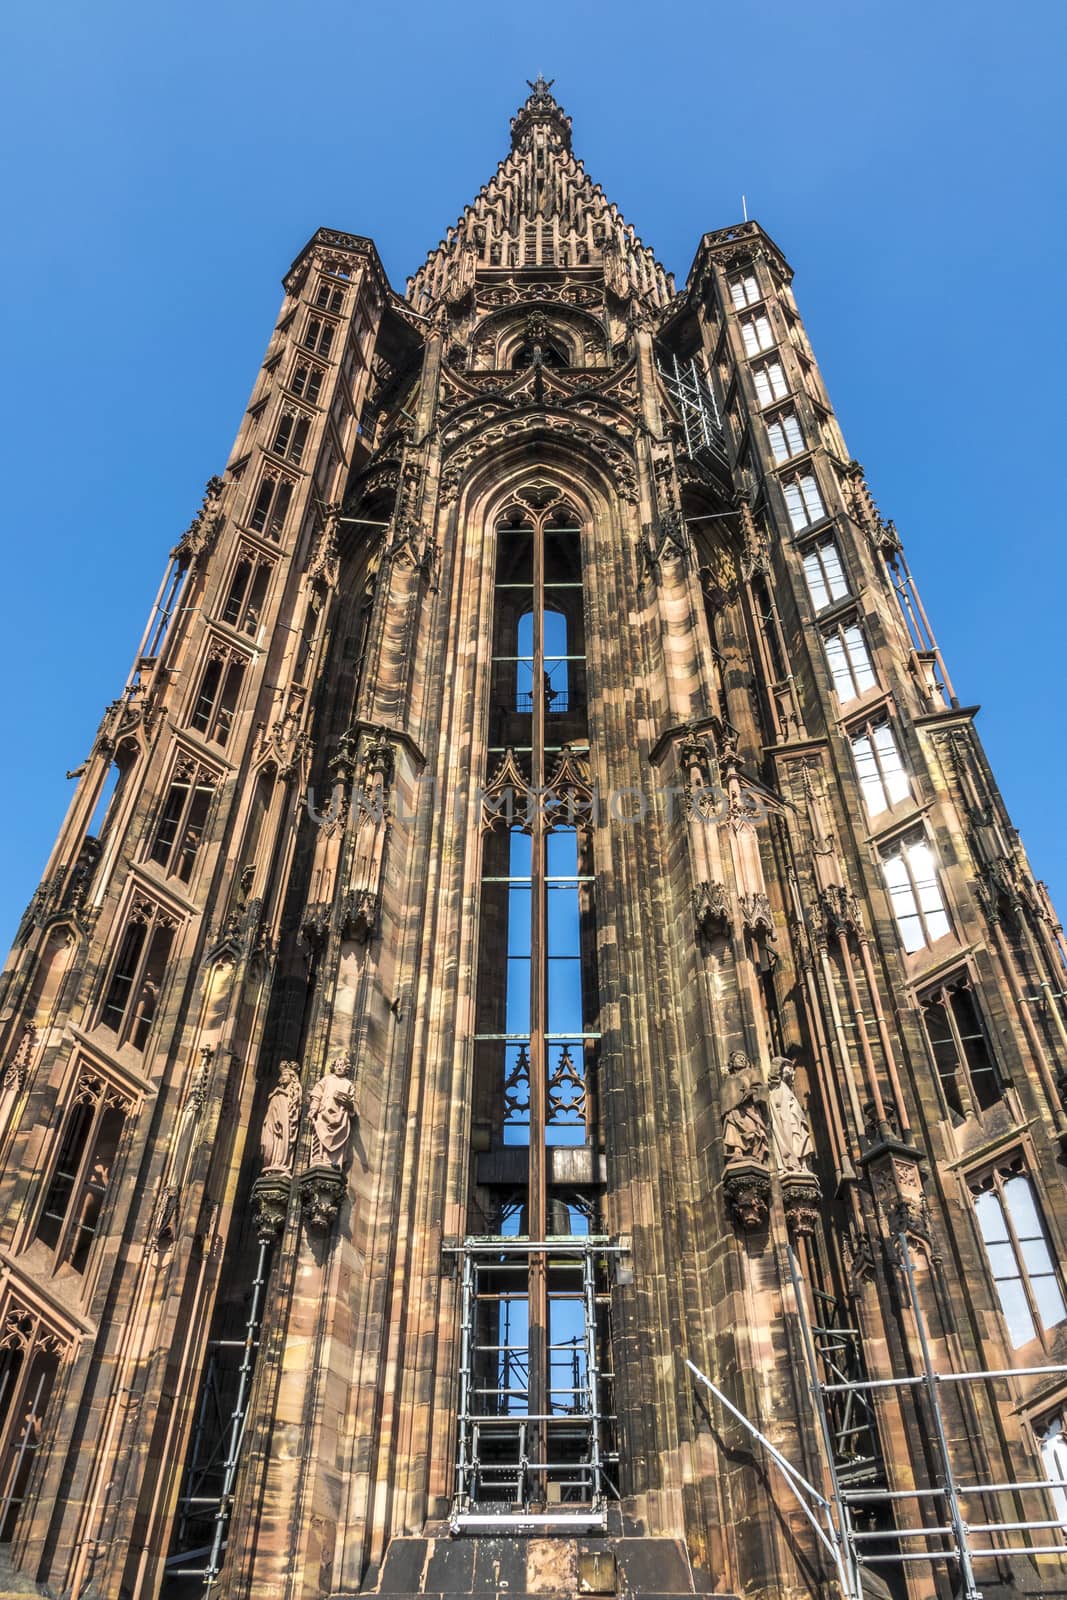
x=167 y=162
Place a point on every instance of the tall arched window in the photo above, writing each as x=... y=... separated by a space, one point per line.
x=536 y=1428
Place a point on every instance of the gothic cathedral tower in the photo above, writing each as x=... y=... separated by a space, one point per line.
x=537 y=1064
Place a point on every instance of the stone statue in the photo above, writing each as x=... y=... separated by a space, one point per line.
x=280 y=1120
x=789 y=1122
x=330 y=1110
x=744 y=1111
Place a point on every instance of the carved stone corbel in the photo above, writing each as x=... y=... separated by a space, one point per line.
x=801 y=1196
x=321 y=1191
x=270 y=1204
x=746 y=1186
x=896 y=1177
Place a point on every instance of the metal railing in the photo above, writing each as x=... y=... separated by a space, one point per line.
x=843 y=1407
x=515 y=1468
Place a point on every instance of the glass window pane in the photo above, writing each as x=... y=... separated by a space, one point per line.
x=990 y=1217
x=1050 y=1307
x=839 y=667
x=813 y=572
x=902 y=899
x=779 y=448
x=794 y=501
x=1054 y=1459
x=812 y=498
x=835 y=574
x=1002 y=1260
x=1019 y=1198
x=894 y=776
x=870 y=778
x=1016 y=1310
x=860 y=661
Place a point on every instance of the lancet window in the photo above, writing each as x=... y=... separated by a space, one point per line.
x=132 y=994
x=180 y=826
x=271 y=504
x=31 y=1352
x=306 y=381
x=1019 y=1251
x=79 y=1181
x=966 y=1066
x=535 y=1430
x=216 y=700
x=248 y=590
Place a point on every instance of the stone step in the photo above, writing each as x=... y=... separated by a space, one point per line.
x=517 y=1566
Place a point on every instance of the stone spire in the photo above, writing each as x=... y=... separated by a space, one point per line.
x=540 y=109
x=540 y=210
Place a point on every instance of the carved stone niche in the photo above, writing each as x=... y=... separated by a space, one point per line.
x=314 y=926
x=711 y=908
x=270 y=1205
x=800 y=1198
x=359 y=915
x=321 y=1191
x=747 y=1188
x=756 y=913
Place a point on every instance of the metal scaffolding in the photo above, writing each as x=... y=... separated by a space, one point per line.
x=843 y=1402
x=207 y=1493
x=689 y=389
x=516 y=1469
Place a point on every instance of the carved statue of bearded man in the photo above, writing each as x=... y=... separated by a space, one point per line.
x=330 y=1111
x=744 y=1113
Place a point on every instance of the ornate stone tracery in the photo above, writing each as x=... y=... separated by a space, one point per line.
x=578 y=850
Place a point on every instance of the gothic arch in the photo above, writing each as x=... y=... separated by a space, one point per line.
x=557 y=434
x=499 y=337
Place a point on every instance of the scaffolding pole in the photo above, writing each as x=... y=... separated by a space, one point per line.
x=831 y=1516
x=520 y=1467
x=223 y=1502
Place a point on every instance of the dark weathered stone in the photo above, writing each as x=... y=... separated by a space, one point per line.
x=277 y=951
